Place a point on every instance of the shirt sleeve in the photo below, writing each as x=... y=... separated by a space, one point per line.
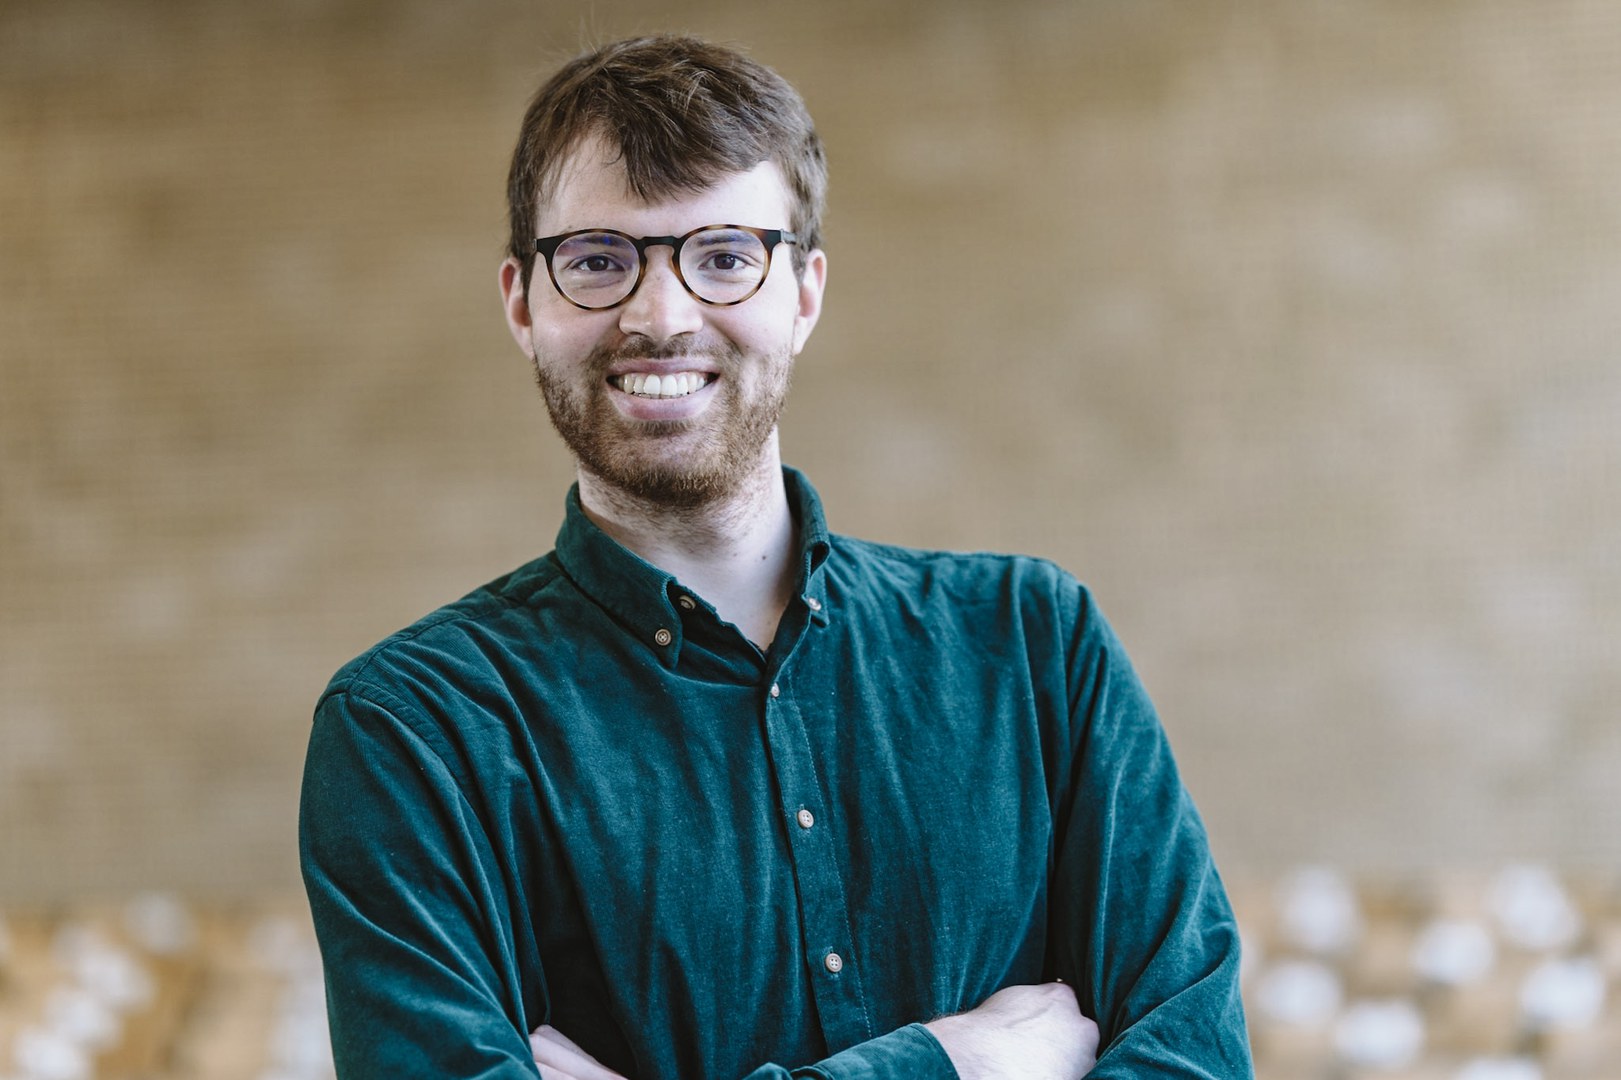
x=908 y=1053
x=408 y=911
x=1141 y=926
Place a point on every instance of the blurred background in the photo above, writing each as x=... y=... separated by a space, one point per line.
x=1288 y=325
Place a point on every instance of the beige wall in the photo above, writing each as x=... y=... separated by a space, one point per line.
x=1288 y=325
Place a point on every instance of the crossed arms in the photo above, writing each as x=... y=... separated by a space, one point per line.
x=434 y=968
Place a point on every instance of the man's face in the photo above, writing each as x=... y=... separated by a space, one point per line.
x=723 y=372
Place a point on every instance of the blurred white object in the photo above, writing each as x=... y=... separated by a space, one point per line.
x=1563 y=993
x=301 y=1048
x=1531 y=907
x=278 y=945
x=1454 y=952
x=1319 y=910
x=160 y=923
x=109 y=971
x=82 y=1018
x=1380 y=1034
x=1500 y=1069
x=301 y=1042
x=46 y=1055
x=73 y=940
x=114 y=976
x=1299 y=993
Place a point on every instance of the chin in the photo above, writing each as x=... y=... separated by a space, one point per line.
x=678 y=485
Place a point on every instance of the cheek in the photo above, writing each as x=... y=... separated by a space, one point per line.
x=765 y=323
x=566 y=340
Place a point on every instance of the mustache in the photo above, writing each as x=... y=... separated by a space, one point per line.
x=724 y=354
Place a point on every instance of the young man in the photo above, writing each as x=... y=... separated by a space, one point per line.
x=709 y=791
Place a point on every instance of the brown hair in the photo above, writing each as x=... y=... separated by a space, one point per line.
x=682 y=112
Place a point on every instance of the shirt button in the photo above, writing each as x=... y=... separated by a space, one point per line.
x=687 y=603
x=813 y=603
x=662 y=636
x=805 y=818
x=833 y=962
x=776 y=691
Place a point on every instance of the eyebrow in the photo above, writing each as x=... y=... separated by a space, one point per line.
x=720 y=236
x=602 y=236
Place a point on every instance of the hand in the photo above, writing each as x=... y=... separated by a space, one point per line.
x=560 y=1059
x=1031 y=1032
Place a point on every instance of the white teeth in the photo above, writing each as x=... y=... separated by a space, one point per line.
x=677 y=385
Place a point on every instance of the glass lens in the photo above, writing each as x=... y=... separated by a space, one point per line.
x=596 y=269
x=723 y=266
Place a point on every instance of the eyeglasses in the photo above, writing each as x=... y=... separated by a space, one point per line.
x=718 y=264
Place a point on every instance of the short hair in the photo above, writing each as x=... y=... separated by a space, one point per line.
x=683 y=113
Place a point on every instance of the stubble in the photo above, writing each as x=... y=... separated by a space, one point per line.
x=719 y=450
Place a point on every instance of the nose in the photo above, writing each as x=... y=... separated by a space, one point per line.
x=660 y=308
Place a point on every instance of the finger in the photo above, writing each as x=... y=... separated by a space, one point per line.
x=557 y=1053
x=565 y=1065
x=553 y=1056
x=552 y=1035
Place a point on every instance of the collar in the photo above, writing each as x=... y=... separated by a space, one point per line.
x=646 y=600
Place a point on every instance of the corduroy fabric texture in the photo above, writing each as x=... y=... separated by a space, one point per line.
x=578 y=797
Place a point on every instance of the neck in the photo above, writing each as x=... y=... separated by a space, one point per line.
x=736 y=552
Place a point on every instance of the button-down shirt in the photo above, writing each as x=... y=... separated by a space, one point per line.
x=577 y=796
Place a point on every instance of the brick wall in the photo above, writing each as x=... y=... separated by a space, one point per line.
x=1288 y=326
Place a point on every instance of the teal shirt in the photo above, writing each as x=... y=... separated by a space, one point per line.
x=577 y=796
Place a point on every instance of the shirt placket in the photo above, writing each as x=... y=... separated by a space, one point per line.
x=833 y=964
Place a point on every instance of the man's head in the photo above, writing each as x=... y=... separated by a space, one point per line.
x=662 y=346
x=680 y=113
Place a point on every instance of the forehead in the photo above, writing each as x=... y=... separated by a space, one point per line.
x=591 y=191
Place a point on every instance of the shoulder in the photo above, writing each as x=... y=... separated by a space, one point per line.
x=455 y=641
x=972 y=578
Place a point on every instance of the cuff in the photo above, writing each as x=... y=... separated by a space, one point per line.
x=911 y=1052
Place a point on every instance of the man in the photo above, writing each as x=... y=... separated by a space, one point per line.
x=709 y=791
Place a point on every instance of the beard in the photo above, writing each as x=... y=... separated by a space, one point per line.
x=676 y=464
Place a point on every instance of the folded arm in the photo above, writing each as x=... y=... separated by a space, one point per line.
x=1034 y=1032
x=1140 y=923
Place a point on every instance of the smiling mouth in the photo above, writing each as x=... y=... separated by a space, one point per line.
x=675 y=385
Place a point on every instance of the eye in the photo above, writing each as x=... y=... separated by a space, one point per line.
x=594 y=264
x=723 y=253
x=594 y=255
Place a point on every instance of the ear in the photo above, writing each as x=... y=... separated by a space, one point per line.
x=516 y=304
x=811 y=285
